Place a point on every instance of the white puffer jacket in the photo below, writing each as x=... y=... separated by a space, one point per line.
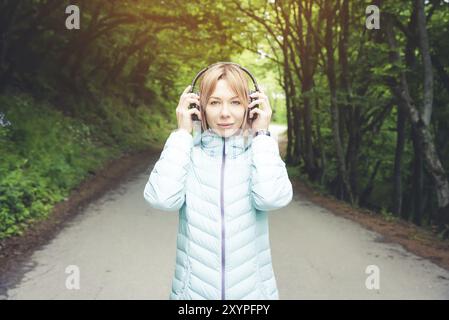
x=223 y=188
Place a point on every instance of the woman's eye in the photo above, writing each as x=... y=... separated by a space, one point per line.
x=236 y=102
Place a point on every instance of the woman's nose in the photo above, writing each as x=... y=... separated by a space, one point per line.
x=224 y=110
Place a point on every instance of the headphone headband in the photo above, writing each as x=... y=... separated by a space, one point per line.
x=224 y=62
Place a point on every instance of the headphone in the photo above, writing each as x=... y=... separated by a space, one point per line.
x=256 y=87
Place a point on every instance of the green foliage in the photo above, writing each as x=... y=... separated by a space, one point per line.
x=294 y=172
x=387 y=215
x=297 y=173
x=46 y=154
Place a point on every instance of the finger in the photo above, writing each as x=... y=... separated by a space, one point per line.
x=187 y=89
x=255 y=110
x=185 y=104
x=195 y=111
x=259 y=95
x=192 y=95
x=258 y=101
x=193 y=100
x=255 y=94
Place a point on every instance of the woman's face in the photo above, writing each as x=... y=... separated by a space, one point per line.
x=224 y=111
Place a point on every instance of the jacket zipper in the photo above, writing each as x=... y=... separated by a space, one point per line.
x=222 y=223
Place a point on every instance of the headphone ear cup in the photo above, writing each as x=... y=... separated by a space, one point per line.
x=255 y=106
x=193 y=105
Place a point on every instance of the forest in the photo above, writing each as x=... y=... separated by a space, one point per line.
x=365 y=87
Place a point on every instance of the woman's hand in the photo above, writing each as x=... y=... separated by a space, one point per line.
x=183 y=113
x=264 y=111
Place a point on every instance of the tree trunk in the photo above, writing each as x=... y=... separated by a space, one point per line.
x=330 y=72
x=397 y=174
x=418 y=179
x=427 y=62
x=423 y=133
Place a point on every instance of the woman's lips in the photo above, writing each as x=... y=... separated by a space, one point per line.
x=226 y=125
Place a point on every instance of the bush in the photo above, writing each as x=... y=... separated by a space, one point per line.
x=45 y=154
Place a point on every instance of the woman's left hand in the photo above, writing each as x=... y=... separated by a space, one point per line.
x=264 y=111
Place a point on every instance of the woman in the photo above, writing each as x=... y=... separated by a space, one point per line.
x=223 y=188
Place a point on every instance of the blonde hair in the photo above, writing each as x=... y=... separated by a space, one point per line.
x=236 y=79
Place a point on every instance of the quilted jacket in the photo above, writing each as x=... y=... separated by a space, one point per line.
x=223 y=189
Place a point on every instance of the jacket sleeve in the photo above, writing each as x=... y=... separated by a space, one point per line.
x=270 y=186
x=165 y=189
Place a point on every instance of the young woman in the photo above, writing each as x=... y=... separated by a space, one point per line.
x=223 y=188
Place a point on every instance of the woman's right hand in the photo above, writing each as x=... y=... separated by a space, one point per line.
x=183 y=113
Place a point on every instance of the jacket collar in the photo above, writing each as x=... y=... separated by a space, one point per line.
x=212 y=143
